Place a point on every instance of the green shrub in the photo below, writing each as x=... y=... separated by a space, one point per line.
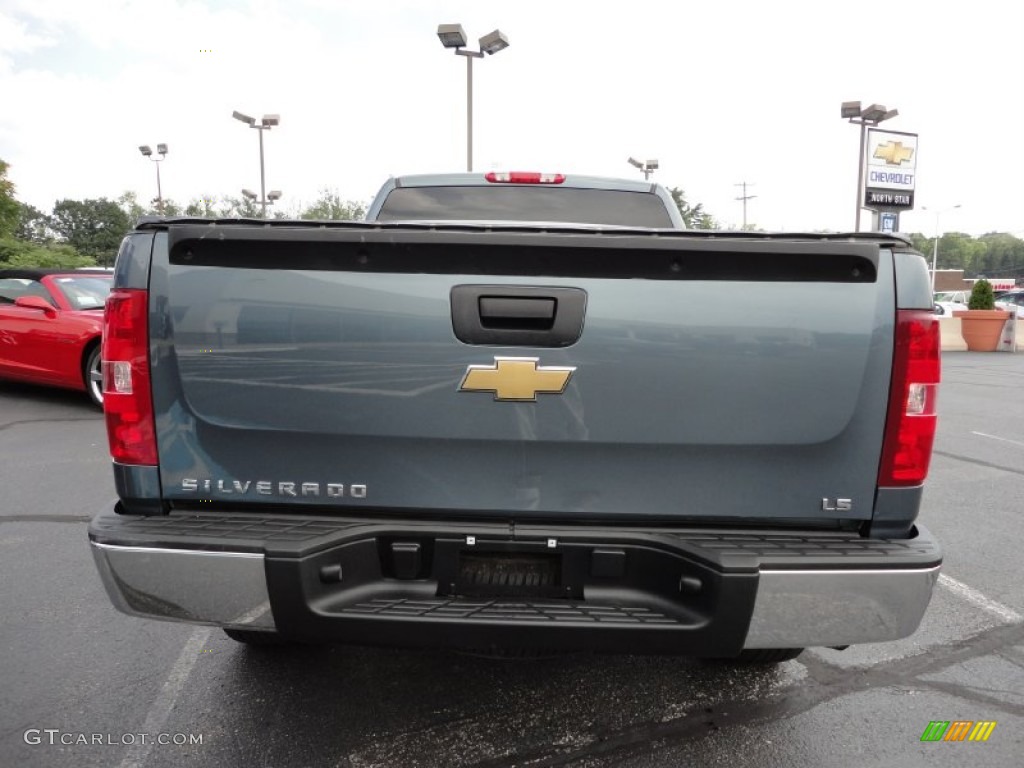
x=20 y=253
x=981 y=296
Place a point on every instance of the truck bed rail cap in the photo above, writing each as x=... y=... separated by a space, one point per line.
x=883 y=239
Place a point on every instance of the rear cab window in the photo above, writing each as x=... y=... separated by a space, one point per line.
x=527 y=203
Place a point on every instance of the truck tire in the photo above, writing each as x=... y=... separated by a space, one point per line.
x=252 y=637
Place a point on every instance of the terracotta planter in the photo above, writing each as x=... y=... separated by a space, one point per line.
x=981 y=328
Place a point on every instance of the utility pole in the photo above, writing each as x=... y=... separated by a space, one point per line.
x=744 y=197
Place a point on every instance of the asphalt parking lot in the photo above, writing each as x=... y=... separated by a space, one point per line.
x=74 y=670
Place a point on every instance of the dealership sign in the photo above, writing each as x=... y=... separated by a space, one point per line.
x=890 y=170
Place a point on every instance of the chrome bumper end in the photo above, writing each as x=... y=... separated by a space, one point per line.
x=224 y=589
x=803 y=609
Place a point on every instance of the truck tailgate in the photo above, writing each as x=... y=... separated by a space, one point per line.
x=711 y=379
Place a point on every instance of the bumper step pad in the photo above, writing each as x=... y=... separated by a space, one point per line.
x=496 y=610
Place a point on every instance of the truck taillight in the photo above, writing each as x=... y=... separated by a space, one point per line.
x=127 y=400
x=524 y=177
x=910 y=422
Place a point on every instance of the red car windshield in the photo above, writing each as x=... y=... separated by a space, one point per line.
x=86 y=292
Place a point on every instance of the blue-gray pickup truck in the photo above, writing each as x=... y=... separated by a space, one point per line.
x=520 y=411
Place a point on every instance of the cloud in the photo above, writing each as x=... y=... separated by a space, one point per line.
x=16 y=38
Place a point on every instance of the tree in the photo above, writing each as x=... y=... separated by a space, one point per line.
x=20 y=253
x=170 y=208
x=995 y=254
x=10 y=209
x=694 y=216
x=33 y=225
x=94 y=228
x=329 y=206
x=960 y=251
x=240 y=208
x=1004 y=254
x=921 y=244
x=202 y=207
x=129 y=203
x=25 y=237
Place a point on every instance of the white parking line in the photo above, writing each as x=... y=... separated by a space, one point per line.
x=1001 y=439
x=165 y=701
x=973 y=596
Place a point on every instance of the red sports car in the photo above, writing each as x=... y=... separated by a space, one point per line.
x=50 y=325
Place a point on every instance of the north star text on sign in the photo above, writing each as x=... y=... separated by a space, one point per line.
x=888 y=198
x=884 y=177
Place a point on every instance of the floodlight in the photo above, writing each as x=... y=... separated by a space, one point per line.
x=874 y=114
x=493 y=42
x=850 y=109
x=452 y=35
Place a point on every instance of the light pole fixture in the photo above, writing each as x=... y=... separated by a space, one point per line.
x=873 y=115
x=454 y=36
x=265 y=124
x=161 y=150
x=647 y=167
x=272 y=197
x=935 y=244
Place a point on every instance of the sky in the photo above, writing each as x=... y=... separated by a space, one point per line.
x=718 y=92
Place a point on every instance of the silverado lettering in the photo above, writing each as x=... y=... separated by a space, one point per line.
x=267 y=488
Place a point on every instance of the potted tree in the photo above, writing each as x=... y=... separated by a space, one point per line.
x=981 y=324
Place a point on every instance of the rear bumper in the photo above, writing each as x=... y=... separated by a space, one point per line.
x=398 y=582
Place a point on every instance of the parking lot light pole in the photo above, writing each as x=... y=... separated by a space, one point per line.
x=454 y=36
x=272 y=197
x=161 y=150
x=873 y=115
x=268 y=122
x=935 y=244
x=646 y=168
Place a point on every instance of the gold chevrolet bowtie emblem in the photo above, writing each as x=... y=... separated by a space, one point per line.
x=516 y=378
x=893 y=152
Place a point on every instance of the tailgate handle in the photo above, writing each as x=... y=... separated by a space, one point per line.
x=512 y=315
x=530 y=314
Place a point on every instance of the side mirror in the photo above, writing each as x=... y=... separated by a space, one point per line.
x=36 y=302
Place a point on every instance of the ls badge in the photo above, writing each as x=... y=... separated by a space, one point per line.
x=517 y=379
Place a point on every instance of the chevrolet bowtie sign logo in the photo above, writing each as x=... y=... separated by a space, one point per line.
x=518 y=379
x=894 y=153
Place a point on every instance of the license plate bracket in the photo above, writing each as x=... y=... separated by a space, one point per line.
x=510 y=574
